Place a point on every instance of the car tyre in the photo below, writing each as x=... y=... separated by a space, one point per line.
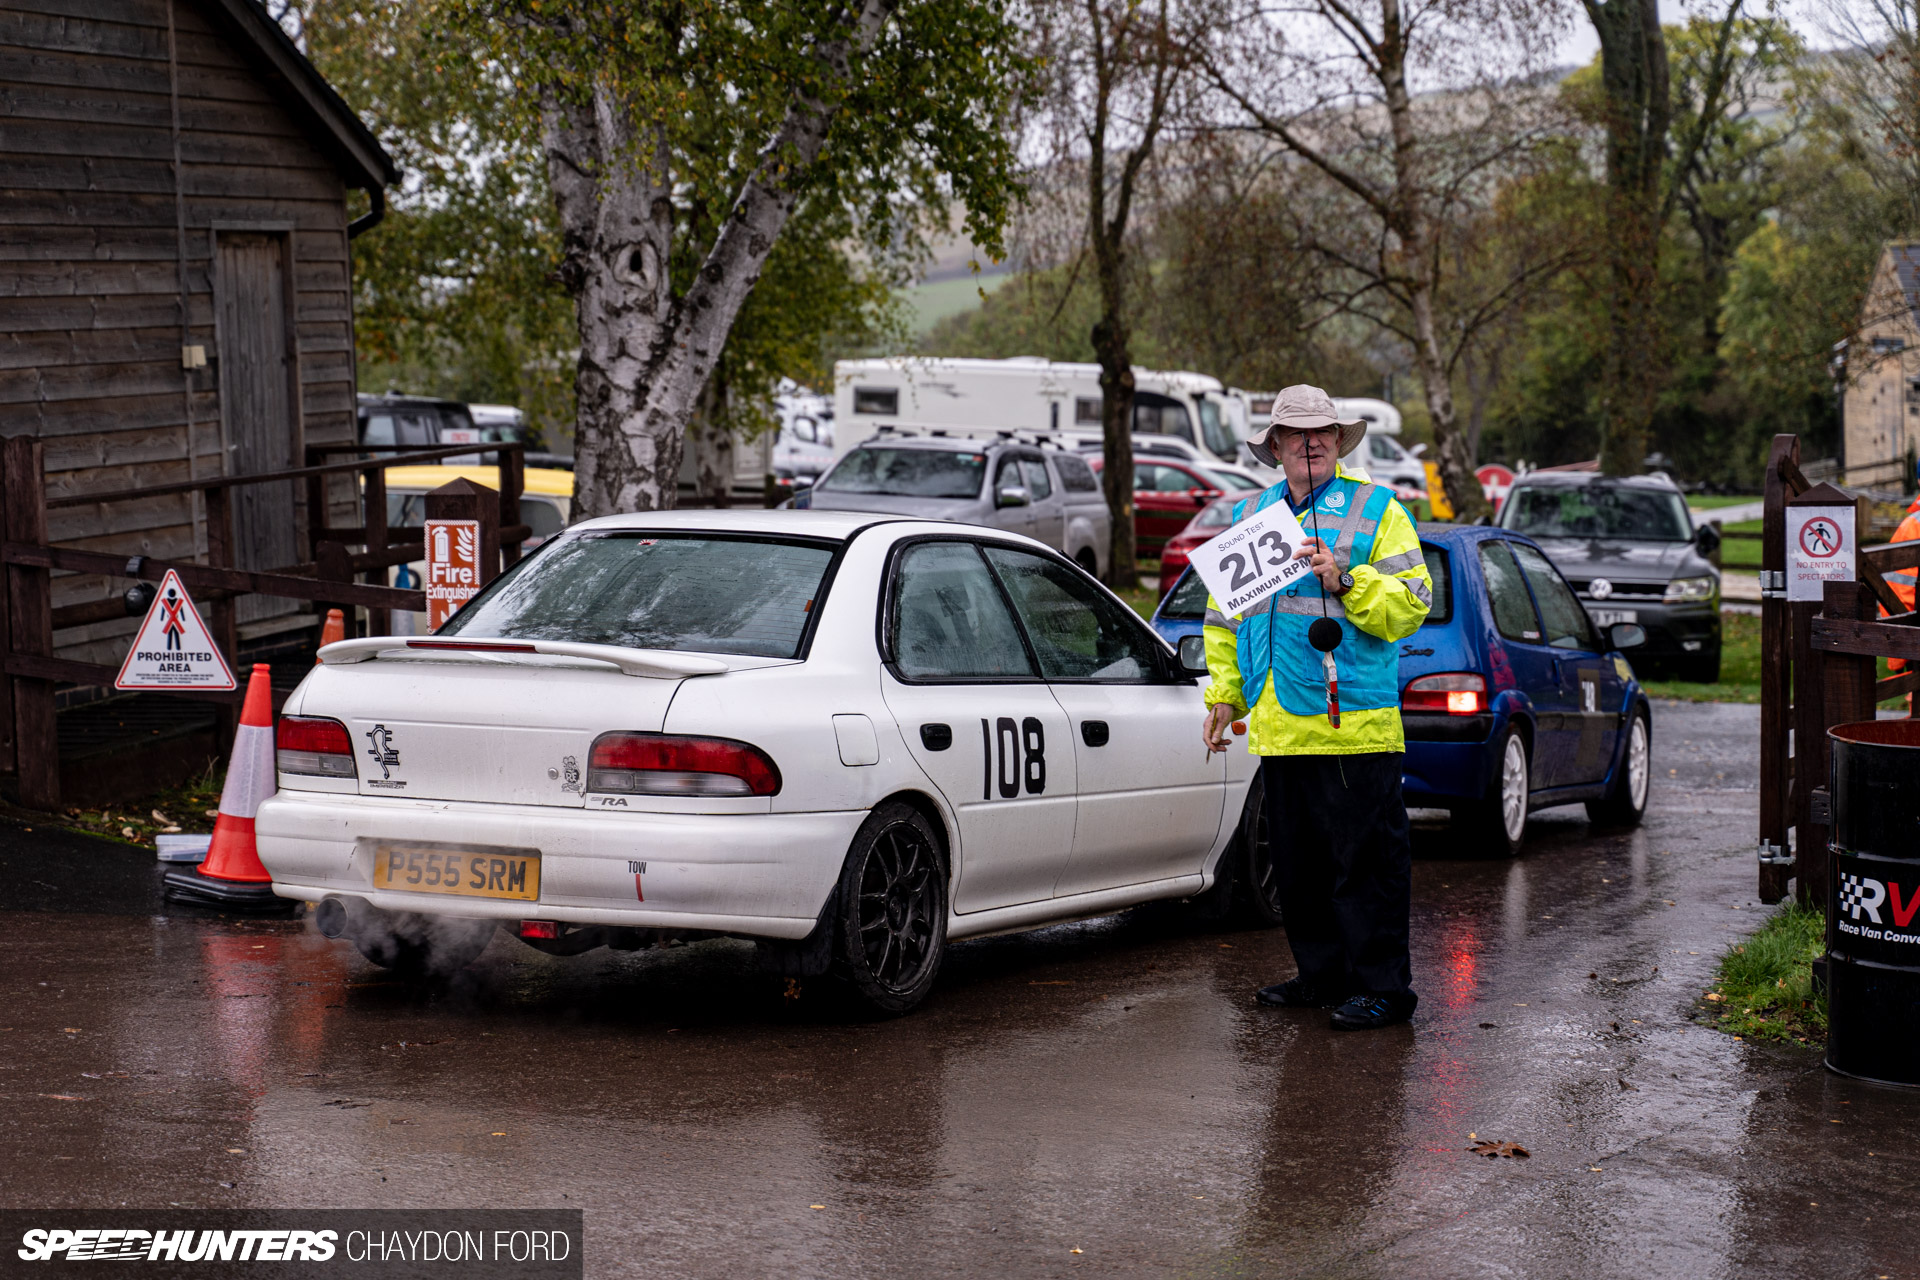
x=890 y=913
x=1256 y=897
x=1245 y=890
x=417 y=946
x=1626 y=800
x=1499 y=818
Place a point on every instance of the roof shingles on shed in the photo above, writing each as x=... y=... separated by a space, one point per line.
x=113 y=260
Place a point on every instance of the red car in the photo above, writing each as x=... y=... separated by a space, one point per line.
x=1213 y=517
x=1167 y=494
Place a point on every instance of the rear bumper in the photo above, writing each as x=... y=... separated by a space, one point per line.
x=764 y=874
x=1445 y=770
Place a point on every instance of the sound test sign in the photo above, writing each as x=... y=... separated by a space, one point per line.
x=1252 y=560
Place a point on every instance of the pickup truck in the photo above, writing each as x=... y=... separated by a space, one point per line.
x=1047 y=494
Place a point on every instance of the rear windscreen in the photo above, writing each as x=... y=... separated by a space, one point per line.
x=1440 y=569
x=1187 y=600
x=658 y=591
x=908 y=473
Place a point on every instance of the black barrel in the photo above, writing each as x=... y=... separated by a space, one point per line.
x=1873 y=909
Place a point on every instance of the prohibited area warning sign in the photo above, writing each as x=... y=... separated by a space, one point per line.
x=1819 y=549
x=174 y=649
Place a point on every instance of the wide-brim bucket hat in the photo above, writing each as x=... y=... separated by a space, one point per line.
x=1306 y=408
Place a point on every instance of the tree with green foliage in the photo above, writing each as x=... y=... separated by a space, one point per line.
x=454 y=294
x=1114 y=73
x=680 y=139
x=1400 y=181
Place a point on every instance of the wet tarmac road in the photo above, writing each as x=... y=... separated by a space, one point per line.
x=1107 y=1087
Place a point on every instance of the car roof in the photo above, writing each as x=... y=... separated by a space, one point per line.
x=367 y=399
x=1579 y=479
x=953 y=444
x=548 y=482
x=806 y=524
x=1442 y=532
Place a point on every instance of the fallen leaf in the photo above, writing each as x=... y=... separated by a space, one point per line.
x=72 y=1031
x=169 y=831
x=162 y=818
x=1499 y=1150
x=212 y=813
x=816 y=1206
x=1073 y=1251
x=64 y=1097
x=128 y=832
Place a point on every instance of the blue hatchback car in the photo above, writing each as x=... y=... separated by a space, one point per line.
x=1511 y=698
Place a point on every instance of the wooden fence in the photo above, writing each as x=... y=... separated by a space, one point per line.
x=1817 y=669
x=29 y=741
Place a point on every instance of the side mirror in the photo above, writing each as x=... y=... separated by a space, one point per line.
x=1013 y=495
x=802 y=497
x=1193 y=655
x=1706 y=540
x=1416 y=450
x=1626 y=635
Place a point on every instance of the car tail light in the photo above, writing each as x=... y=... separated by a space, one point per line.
x=1460 y=693
x=659 y=764
x=311 y=745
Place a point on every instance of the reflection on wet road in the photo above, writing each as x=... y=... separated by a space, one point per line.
x=1107 y=1087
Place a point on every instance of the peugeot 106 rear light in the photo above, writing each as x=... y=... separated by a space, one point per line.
x=312 y=745
x=660 y=764
x=1458 y=693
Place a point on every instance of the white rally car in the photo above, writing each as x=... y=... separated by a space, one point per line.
x=852 y=738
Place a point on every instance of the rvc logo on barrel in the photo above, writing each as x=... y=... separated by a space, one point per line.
x=1863 y=896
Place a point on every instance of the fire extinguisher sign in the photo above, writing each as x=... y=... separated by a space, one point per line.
x=453 y=567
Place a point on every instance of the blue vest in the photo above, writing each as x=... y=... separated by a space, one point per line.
x=1272 y=639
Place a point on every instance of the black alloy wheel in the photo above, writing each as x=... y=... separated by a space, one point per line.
x=892 y=915
x=1257 y=902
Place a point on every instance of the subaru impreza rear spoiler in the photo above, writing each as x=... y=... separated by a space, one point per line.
x=655 y=663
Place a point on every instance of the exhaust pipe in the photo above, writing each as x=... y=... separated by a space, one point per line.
x=343 y=917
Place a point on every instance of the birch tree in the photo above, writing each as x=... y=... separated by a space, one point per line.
x=680 y=137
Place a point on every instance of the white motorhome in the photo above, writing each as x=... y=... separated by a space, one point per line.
x=1026 y=393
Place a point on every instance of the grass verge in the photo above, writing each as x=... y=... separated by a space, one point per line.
x=1765 y=987
x=1739 y=667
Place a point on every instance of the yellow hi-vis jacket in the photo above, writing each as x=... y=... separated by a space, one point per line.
x=1388 y=606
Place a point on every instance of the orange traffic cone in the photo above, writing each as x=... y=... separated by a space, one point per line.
x=334 y=628
x=232 y=875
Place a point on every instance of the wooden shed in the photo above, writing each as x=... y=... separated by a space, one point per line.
x=175 y=291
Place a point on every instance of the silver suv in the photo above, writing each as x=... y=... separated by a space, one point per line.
x=1006 y=483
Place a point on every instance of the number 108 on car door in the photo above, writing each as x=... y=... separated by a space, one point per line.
x=1253 y=559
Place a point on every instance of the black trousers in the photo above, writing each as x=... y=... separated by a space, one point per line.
x=1337 y=828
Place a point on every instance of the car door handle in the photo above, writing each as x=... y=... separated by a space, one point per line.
x=936 y=737
x=1093 y=732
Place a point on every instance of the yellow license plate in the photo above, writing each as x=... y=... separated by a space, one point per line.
x=462 y=872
